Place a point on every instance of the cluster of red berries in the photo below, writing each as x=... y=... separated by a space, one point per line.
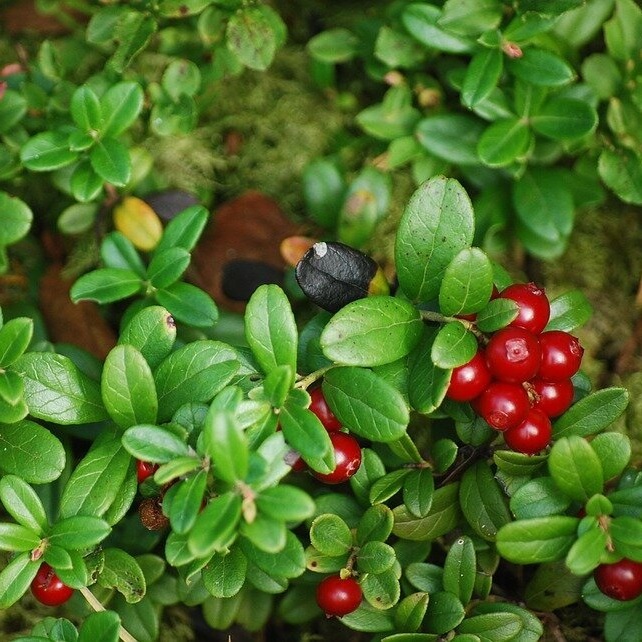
x=620 y=581
x=521 y=378
x=347 y=451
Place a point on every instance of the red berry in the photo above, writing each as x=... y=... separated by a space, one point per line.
x=620 y=581
x=145 y=469
x=553 y=397
x=561 y=355
x=338 y=597
x=48 y=588
x=503 y=405
x=470 y=380
x=532 y=435
x=533 y=305
x=347 y=457
x=320 y=408
x=513 y=355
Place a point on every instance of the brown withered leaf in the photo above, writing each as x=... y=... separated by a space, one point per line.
x=248 y=229
x=24 y=17
x=79 y=324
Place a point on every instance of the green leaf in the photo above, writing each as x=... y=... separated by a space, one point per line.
x=110 y=160
x=100 y=627
x=460 y=569
x=85 y=109
x=56 y=390
x=23 y=504
x=409 y=616
x=564 y=119
x=422 y=22
x=270 y=328
x=288 y=562
x=592 y=414
x=586 y=551
x=454 y=346
x=393 y=118
x=504 y=142
x=78 y=532
x=366 y=404
x=154 y=444
x=330 y=535
x=534 y=541
x=542 y=68
x=333 y=45
x=375 y=524
x=265 y=533
x=120 y=105
x=184 y=230
x=381 y=590
x=127 y=386
x=181 y=78
x=444 y=515
x=251 y=36
x=418 y=491
x=15 y=337
x=453 y=138
x=471 y=17
x=376 y=557
x=576 y=468
x=226 y=444
x=444 y=612
x=12 y=108
x=496 y=315
x=189 y=304
x=371 y=331
x=16 y=219
x=622 y=31
x=553 y=586
x=152 y=332
x=498 y=627
x=626 y=534
x=168 y=266
x=97 y=480
x=106 y=285
x=323 y=190
x=15 y=579
x=569 y=311
x=117 y=251
x=224 y=575
x=86 y=185
x=285 y=503
x=216 y=525
x=539 y=497
x=47 y=151
x=186 y=502
x=304 y=432
x=482 y=501
x=194 y=373
x=11 y=388
x=427 y=383
x=132 y=32
x=621 y=171
x=16 y=537
x=438 y=209
x=467 y=283
x=482 y=75
x=123 y=573
x=613 y=449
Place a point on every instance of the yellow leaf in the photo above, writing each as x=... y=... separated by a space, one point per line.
x=138 y=222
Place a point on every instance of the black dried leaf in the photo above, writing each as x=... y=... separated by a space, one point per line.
x=333 y=274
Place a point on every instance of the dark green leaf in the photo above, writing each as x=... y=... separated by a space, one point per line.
x=85 y=109
x=626 y=536
x=189 y=304
x=498 y=627
x=409 y=616
x=460 y=568
x=427 y=383
x=418 y=491
x=78 y=532
x=117 y=251
x=110 y=160
x=539 y=497
x=216 y=526
x=375 y=525
x=106 y=285
x=482 y=75
x=330 y=535
x=287 y=563
x=122 y=572
x=15 y=579
x=376 y=557
x=453 y=138
x=132 y=32
x=100 y=627
x=564 y=119
x=422 y=22
x=226 y=444
x=323 y=191
x=542 y=68
x=184 y=230
x=152 y=331
x=504 y=142
x=168 y=266
x=576 y=468
x=444 y=612
x=187 y=502
x=225 y=573
x=47 y=151
x=381 y=590
x=369 y=619
x=621 y=171
x=497 y=314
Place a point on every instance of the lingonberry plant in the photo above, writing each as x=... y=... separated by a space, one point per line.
x=416 y=496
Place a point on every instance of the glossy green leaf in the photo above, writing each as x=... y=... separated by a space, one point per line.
x=123 y=573
x=15 y=579
x=188 y=304
x=216 y=525
x=453 y=346
x=127 y=386
x=438 y=209
x=444 y=515
x=418 y=491
x=422 y=22
x=381 y=590
x=12 y=109
x=460 y=567
x=286 y=503
x=564 y=119
x=330 y=535
x=110 y=160
x=56 y=390
x=78 y=532
x=266 y=534
x=22 y=503
x=621 y=171
x=152 y=332
x=496 y=315
x=333 y=45
x=427 y=383
x=184 y=230
x=622 y=31
x=626 y=536
x=16 y=218
x=613 y=449
x=226 y=445
x=534 y=541
x=288 y=562
x=366 y=404
x=47 y=151
x=168 y=266
x=499 y=627
x=504 y=142
x=132 y=32
x=100 y=627
x=444 y=612
x=539 y=497
x=467 y=283
x=187 y=502
x=106 y=285
x=224 y=575
x=17 y=538
x=368 y=618
x=585 y=554
x=482 y=501
x=451 y=137
x=376 y=557
x=194 y=373
x=304 y=432
x=375 y=524
x=85 y=109
x=576 y=468
x=323 y=191
x=154 y=444
x=569 y=311
x=371 y=331
x=592 y=414
x=482 y=75
x=15 y=337
x=553 y=586
x=541 y=67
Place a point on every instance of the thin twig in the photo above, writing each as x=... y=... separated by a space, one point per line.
x=96 y=604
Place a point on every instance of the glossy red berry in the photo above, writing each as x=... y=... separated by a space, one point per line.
x=621 y=580
x=48 y=588
x=338 y=597
x=145 y=469
x=347 y=457
x=513 y=355
x=534 y=309
x=503 y=405
x=552 y=397
x=470 y=380
x=532 y=435
x=561 y=355
x=320 y=408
